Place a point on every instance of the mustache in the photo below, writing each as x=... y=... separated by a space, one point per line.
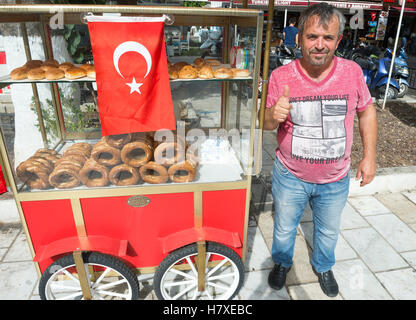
x=319 y=51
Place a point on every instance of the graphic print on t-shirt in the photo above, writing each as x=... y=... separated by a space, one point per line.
x=319 y=129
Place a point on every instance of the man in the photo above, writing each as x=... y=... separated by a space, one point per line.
x=312 y=102
x=290 y=34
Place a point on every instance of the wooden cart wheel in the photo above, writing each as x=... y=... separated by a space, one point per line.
x=177 y=275
x=108 y=279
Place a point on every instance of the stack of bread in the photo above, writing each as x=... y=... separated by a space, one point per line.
x=121 y=160
x=204 y=69
x=52 y=70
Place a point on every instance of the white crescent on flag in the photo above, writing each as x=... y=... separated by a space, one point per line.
x=132 y=46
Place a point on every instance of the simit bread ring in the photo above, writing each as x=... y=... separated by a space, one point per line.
x=124 y=175
x=117 y=140
x=77 y=150
x=42 y=162
x=94 y=174
x=33 y=174
x=105 y=154
x=71 y=160
x=182 y=172
x=154 y=173
x=138 y=152
x=65 y=177
x=168 y=153
x=45 y=150
x=83 y=145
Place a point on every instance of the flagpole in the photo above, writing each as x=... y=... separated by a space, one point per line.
x=394 y=53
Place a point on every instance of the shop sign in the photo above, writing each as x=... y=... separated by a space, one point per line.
x=382 y=25
x=337 y=4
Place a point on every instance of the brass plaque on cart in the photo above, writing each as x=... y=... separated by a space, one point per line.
x=138 y=201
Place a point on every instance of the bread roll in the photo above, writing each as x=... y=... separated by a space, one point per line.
x=173 y=74
x=212 y=62
x=46 y=67
x=66 y=65
x=51 y=63
x=33 y=64
x=199 y=62
x=87 y=66
x=19 y=73
x=91 y=72
x=36 y=74
x=223 y=73
x=188 y=72
x=54 y=74
x=75 y=73
x=179 y=65
x=206 y=72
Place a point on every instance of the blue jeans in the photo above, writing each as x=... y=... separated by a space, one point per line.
x=327 y=202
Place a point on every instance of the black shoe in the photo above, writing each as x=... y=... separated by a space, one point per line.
x=277 y=277
x=328 y=283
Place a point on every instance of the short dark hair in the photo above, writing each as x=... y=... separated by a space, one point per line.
x=325 y=12
x=292 y=20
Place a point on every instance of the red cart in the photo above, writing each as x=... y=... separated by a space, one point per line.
x=91 y=242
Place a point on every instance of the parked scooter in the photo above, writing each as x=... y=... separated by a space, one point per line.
x=402 y=70
x=376 y=73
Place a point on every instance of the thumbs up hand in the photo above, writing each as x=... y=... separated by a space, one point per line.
x=282 y=106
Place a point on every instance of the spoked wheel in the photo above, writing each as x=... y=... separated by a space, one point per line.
x=109 y=279
x=177 y=275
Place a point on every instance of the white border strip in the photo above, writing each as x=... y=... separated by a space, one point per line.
x=108 y=18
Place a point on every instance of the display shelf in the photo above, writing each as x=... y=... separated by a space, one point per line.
x=217 y=162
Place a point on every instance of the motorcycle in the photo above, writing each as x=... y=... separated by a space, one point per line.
x=402 y=70
x=376 y=73
x=280 y=56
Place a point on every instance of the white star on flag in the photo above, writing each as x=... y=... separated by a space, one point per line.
x=134 y=86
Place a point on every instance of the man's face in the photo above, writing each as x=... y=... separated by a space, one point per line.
x=319 y=44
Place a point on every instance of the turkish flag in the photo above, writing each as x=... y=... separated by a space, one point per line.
x=131 y=73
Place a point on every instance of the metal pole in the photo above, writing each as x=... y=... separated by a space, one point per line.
x=394 y=53
x=265 y=81
x=285 y=21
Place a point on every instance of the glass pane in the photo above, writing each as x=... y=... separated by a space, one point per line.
x=214 y=115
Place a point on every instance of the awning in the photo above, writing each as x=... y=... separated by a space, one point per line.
x=337 y=4
x=395 y=11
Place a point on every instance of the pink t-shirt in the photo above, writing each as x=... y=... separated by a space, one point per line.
x=314 y=143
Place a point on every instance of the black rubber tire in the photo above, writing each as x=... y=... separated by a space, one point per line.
x=403 y=90
x=211 y=247
x=381 y=90
x=91 y=257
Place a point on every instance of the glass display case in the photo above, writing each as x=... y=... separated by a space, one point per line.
x=72 y=184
